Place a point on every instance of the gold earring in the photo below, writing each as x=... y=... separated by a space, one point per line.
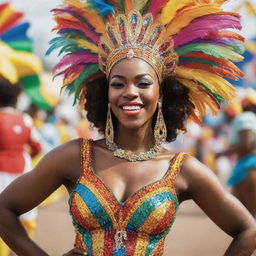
x=160 y=131
x=109 y=130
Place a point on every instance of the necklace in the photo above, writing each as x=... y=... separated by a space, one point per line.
x=134 y=157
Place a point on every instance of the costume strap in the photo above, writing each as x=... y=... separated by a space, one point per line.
x=176 y=164
x=86 y=147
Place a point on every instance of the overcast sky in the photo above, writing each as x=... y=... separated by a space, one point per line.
x=38 y=13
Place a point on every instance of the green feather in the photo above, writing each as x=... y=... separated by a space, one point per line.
x=57 y=43
x=190 y=60
x=218 y=97
x=214 y=50
x=83 y=76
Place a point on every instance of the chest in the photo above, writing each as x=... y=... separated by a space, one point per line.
x=125 y=178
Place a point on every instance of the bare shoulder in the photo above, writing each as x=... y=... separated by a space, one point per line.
x=195 y=178
x=64 y=159
x=193 y=170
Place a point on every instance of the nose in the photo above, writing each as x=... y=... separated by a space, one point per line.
x=130 y=92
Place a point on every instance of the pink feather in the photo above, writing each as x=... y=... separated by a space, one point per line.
x=203 y=26
x=155 y=6
x=76 y=59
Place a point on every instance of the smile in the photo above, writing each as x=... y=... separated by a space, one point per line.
x=131 y=108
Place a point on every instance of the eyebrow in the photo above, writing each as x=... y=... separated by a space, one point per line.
x=138 y=76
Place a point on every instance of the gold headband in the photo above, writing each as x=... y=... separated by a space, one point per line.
x=136 y=36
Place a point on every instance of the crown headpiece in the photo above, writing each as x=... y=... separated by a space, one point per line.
x=188 y=40
x=137 y=36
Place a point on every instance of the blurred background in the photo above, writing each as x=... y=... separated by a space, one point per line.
x=57 y=121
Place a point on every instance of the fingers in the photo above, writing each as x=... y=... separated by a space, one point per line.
x=76 y=252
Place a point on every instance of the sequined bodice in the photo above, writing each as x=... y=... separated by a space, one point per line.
x=138 y=226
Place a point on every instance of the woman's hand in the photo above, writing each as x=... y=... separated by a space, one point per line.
x=75 y=252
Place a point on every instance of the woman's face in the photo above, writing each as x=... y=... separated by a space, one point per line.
x=133 y=93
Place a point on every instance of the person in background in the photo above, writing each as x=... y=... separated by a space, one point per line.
x=243 y=145
x=134 y=66
x=19 y=142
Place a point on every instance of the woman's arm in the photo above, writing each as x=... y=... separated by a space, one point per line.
x=60 y=166
x=225 y=210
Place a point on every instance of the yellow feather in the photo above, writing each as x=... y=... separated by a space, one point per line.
x=87 y=45
x=95 y=20
x=169 y=11
x=184 y=18
x=75 y=3
x=139 y=4
x=199 y=98
x=214 y=82
x=90 y=15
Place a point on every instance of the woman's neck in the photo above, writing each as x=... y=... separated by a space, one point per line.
x=135 y=140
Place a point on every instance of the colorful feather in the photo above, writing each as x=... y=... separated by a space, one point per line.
x=101 y=7
x=90 y=16
x=205 y=25
x=206 y=99
x=83 y=76
x=187 y=15
x=169 y=10
x=75 y=59
x=211 y=81
x=155 y=6
x=139 y=4
x=128 y=6
x=225 y=34
x=78 y=27
x=220 y=62
x=214 y=50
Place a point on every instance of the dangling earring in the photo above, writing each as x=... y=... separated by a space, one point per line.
x=160 y=132
x=109 y=130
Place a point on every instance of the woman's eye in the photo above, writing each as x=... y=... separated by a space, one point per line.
x=117 y=85
x=145 y=84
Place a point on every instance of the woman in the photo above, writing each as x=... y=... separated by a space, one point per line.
x=125 y=189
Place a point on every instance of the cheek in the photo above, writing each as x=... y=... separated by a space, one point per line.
x=153 y=96
x=112 y=95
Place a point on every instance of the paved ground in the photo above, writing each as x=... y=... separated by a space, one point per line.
x=193 y=234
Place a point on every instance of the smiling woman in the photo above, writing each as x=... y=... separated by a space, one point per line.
x=141 y=69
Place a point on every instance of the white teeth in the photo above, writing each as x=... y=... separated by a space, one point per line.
x=130 y=108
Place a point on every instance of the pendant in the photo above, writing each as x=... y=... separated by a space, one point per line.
x=120 y=236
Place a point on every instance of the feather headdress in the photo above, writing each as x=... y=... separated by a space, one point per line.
x=187 y=39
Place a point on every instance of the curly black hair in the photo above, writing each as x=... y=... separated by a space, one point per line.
x=9 y=92
x=176 y=105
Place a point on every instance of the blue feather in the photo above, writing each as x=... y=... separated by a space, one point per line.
x=102 y=8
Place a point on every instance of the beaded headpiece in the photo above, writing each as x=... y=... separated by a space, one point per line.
x=188 y=40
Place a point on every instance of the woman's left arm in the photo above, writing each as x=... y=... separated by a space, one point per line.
x=221 y=207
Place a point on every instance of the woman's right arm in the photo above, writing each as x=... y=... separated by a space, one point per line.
x=60 y=166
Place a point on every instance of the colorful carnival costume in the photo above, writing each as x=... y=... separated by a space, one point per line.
x=244 y=121
x=187 y=41
x=138 y=226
